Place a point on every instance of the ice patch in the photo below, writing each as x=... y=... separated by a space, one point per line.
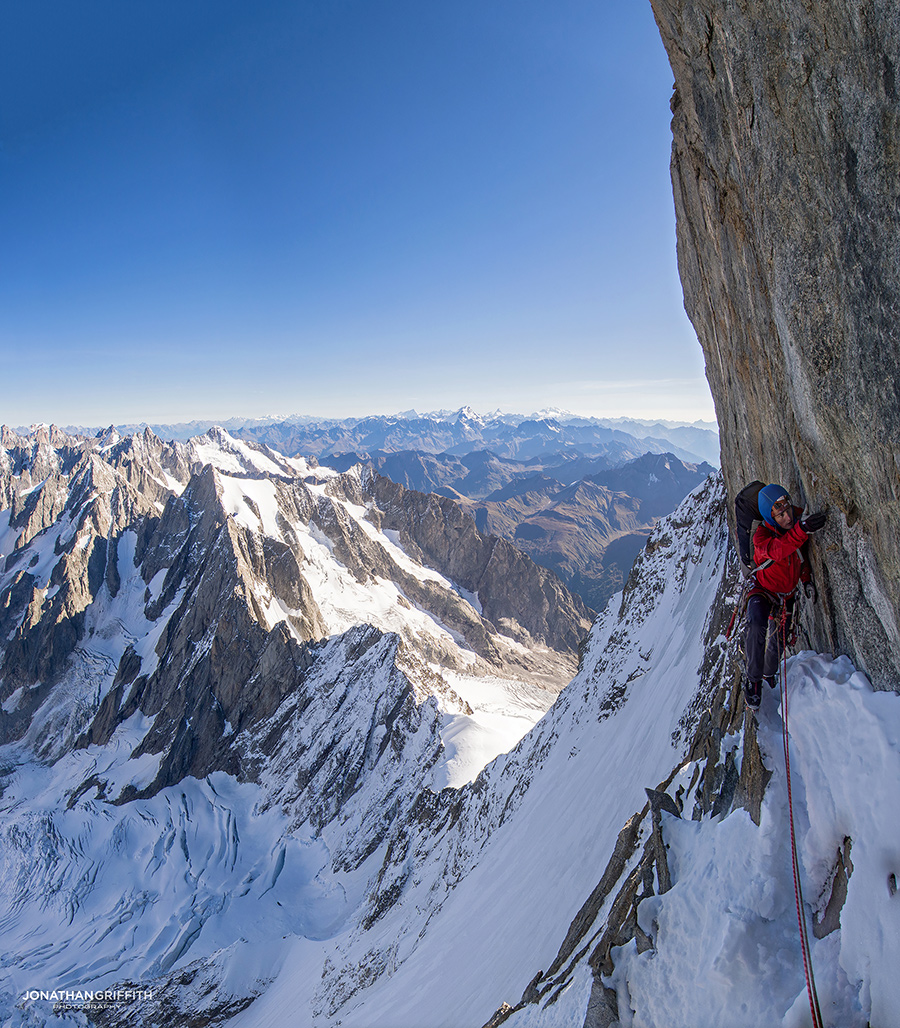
x=262 y=516
x=8 y=534
x=12 y=701
x=503 y=712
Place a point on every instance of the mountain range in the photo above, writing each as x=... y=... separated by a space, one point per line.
x=247 y=781
x=274 y=750
x=585 y=518
x=461 y=432
x=510 y=474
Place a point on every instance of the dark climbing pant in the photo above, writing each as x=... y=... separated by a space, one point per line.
x=762 y=645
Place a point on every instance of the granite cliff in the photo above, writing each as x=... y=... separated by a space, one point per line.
x=786 y=127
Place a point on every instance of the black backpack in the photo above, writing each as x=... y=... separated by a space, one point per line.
x=746 y=511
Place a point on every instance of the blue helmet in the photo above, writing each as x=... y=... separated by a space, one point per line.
x=767 y=496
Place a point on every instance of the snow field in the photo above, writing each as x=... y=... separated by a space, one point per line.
x=732 y=905
x=231 y=455
x=503 y=711
x=129 y=892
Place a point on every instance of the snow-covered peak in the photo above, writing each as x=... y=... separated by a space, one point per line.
x=107 y=439
x=468 y=414
x=552 y=414
x=228 y=454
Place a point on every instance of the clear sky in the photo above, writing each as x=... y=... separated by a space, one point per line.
x=217 y=208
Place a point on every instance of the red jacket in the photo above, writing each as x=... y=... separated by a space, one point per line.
x=782 y=548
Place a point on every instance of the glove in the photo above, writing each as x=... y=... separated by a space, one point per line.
x=810 y=592
x=814 y=522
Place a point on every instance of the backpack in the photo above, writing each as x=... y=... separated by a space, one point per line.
x=746 y=511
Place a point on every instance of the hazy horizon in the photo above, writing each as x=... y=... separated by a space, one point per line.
x=444 y=414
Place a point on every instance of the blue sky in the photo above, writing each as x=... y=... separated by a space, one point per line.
x=214 y=208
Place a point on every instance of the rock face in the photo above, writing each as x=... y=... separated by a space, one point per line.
x=513 y=592
x=784 y=167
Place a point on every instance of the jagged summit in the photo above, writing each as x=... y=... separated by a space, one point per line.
x=467 y=414
x=240 y=553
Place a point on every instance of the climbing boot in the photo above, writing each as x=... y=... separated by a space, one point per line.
x=752 y=694
x=771 y=681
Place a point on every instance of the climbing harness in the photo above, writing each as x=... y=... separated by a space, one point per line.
x=798 y=893
x=740 y=608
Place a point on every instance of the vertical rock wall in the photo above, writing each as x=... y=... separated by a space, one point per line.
x=786 y=175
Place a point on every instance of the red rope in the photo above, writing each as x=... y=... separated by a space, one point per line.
x=798 y=893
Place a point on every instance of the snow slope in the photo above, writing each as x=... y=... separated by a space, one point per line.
x=481 y=914
x=726 y=939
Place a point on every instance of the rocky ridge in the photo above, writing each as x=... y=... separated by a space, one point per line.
x=722 y=770
x=585 y=518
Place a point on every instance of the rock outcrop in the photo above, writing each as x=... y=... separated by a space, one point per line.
x=784 y=167
x=524 y=600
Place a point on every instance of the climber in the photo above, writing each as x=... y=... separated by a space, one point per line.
x=781 y=568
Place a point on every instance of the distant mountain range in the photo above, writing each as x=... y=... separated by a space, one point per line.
x=586 y=518
x=578 y=495
x=460 y=432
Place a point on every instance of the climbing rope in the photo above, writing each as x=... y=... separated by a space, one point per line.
x=798 y=892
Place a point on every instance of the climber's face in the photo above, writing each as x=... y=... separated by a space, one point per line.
x=783 y=512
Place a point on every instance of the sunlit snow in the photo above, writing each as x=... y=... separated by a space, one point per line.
x=502 y=713
x=209 y=871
